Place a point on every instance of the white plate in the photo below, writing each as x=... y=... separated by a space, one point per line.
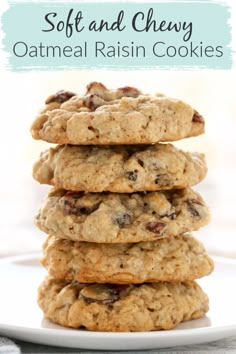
x=21 y=318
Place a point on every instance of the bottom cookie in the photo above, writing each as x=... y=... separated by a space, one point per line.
x=121 y=308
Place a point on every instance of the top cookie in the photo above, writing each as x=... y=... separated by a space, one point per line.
x=122 y=116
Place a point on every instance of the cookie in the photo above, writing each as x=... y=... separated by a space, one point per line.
x=121 y=169
x=179 y=258
x=121 y=308
x=117 y=218
x=122 y=116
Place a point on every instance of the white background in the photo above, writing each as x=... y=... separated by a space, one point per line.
x=212 y=93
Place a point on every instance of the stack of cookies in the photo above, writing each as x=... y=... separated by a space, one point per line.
x=119 y=254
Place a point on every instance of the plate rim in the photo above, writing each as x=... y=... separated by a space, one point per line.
x=164 y=333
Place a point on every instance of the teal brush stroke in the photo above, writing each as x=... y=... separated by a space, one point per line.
x=211 y=26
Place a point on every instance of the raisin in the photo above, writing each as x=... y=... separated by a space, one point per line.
x=89 y=210
x=191 y=208
x=103 y=294
x=89 y=300
x=171 y=214
x=72 y=209
x=130 y=91
x=132 y=175
x=156 y=227
x=197 y=117
x=60 y=97
x=73 y=194
x=124 y=219
x=141 y=162
x=162 y=180
x=118 y=288
x=95 y=86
